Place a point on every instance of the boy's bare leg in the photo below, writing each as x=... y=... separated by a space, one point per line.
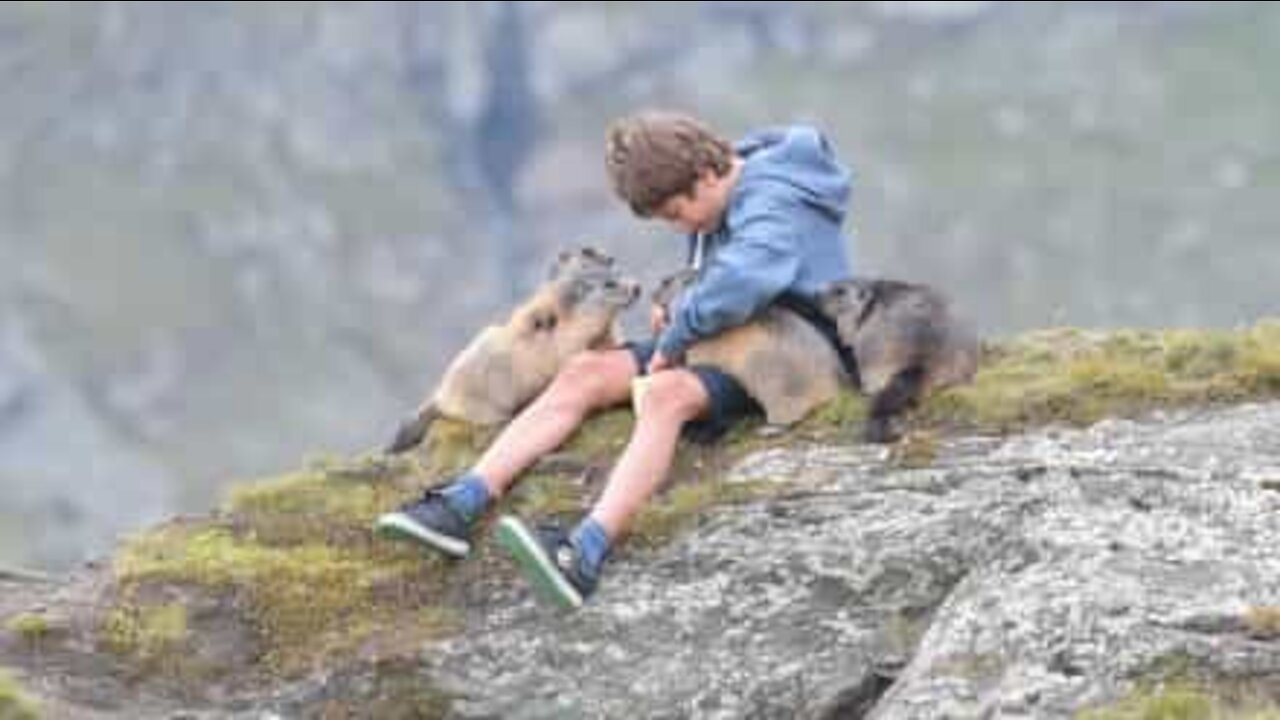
x=566 y=566
x=674 y=397
x=588 y=382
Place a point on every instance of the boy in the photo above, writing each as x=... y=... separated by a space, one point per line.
x=763 y=220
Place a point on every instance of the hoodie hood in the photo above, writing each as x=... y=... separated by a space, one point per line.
x=801 y=157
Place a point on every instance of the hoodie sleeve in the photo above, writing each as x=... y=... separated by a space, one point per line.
x=759 y=260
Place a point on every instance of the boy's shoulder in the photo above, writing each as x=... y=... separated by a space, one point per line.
x=780 y=136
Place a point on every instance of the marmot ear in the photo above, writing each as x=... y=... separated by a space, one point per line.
x=597 y=254
x=554 y=268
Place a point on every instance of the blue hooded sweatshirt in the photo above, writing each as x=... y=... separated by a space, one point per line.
x=780 y=232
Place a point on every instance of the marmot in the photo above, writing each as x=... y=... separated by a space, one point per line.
x=506 y=366
x=783 y=362
x=907 y=340
x=591 y=265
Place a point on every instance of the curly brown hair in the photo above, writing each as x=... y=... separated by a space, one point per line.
x=655 y=155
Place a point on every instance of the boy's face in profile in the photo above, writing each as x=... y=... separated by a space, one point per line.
x=699 y=210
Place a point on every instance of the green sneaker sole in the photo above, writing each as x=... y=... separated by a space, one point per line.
x=532 y=559
x=395 y=526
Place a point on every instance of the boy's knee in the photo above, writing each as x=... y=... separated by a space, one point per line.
x=677 y=393
x=590 y=377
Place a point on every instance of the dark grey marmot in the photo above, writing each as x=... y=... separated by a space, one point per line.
x=908 y=342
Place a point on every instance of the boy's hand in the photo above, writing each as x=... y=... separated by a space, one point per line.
x=659 y=362
x=657 y=319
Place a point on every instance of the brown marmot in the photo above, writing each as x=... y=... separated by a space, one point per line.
x=506 y=366
x=783 y=362
x=908 y=342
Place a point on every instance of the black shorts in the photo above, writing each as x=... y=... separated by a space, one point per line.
x=728 y=402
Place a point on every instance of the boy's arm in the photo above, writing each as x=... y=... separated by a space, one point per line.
x=760 y=260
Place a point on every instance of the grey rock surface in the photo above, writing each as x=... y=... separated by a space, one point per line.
x=1027 y=577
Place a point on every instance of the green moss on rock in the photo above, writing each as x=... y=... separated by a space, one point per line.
x=14 y=703
x=151 y=636
x=32 y=627
x=1182 y=701
x=1078 y=377
x=295 y=561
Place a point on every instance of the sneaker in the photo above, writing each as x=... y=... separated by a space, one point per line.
x=428 y=520
x=549 y=560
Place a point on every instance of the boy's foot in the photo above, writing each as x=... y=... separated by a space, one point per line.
x=549 y=560
x=429 y=521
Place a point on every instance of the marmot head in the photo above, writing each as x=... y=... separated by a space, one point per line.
x=587 y=308
x=597 y=292
x=847 y=302
x=670 y=287
x=585 y=260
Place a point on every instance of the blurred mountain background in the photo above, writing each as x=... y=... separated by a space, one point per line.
x=234 y=236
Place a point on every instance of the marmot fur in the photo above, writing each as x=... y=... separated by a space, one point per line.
x=907 y=340
x=505 y=366
x=783 y=362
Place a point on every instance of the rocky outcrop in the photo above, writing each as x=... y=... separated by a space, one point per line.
x=1027 y=577
x=1148 y=547
x=1030 y=576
